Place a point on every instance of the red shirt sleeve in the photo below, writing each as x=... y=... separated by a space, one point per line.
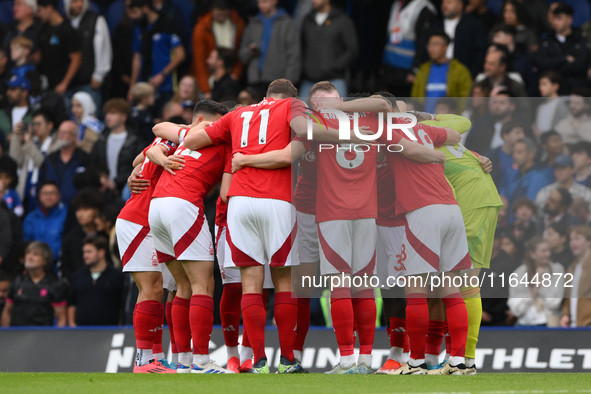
x=298 y=108
x=228 y=159
x=219 y=131
x=438 y=135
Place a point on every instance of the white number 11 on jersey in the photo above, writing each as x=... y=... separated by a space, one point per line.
x=247 y=116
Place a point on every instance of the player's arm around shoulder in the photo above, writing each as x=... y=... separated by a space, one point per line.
x=459 y=123
x=159 y=155
x=169 y=131
x=270 y=160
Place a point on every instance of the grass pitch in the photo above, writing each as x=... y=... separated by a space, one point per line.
x=302 y=384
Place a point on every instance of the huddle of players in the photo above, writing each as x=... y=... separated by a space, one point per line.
x=419 y=225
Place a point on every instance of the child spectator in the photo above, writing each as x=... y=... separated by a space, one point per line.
x=8 y=180
x=36 y=297
x=553 y=109
x=89 y=127
x=20 y=49
x=142 y=116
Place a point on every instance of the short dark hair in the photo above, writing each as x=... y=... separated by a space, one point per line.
x=9 y=166
x=228 y=57
x=4 y=276
x=48 y=3
x=282 y=87
x=46 y=113
x=546 y=136
x=98 y=241
x=220 y=4
x=525 y=202
x=440 y=33
x=563 y=8
x=209 y=107
x=87 y=198
x=388 y=96
x=565 y=196
x=49 y=182
x=580 y=91
x=560 y=227
x=485 y=85
x=504 y=59
x=552 y=76
x=510 y=125
x=142 y=4
x=505 y=28
x=583 y=146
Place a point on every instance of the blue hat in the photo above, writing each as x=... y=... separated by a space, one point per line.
x=563 y=161
x=18 y=82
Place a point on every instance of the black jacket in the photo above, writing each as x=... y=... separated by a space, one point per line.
x=552 y=56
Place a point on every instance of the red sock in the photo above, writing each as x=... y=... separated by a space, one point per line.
x=364 y=307
x=303 y=323
x=201 y=317
x=230 y=313
x=434 y=337
x=417 y=323
x=182 y=326
x=398 y=335
x=447 y=338
x=245 y=341
x=145 y=321
x=457 y=322
x=157 y=347
x=170 y=327
x=286 y=315
x=255 y=317
x=343 y=317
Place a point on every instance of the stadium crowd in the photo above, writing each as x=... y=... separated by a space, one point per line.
x=83 y=83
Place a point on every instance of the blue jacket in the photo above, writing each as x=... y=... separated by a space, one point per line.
x=63 y=174
x=46 y=228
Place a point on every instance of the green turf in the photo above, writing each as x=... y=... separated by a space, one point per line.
x=303 y=384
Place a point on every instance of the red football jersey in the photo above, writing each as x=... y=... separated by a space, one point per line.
x=255 y=129
x=221 y=208
x=419 y=184
x=347 y=185
x=203 y=169
x=137 y=207
x=304 y=197
x=387 y=197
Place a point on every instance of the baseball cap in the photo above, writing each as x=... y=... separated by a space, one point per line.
x=18 y=82
x=563 y=161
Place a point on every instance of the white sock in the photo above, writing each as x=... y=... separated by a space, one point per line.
x=455 y=360
x=405 y=357
x=174 y=359
x=395 y=353
x=347 y=361
x=245 y=354
x=158 y=356
x=447 y=355
x=200 y=359
x=298 y=355
x=143 y=356
x=232 y=351
x=470 y=362
x=364 y=359
x=432 y=359
x=415 y=363
x=185 y=358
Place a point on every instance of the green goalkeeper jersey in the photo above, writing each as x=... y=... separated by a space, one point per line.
x=473 y=187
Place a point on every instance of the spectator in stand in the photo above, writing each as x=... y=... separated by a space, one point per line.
x=556 y=236
x=157 y=52
x=329 y=47
x=171 y=109
x=526 y=224
x=105 y=223
x=221 y=27
x=532 y=178
x=29 y=149
x=537 y=305
x=95 y=296
x=478 y=103
x=116 y=147
x=564 y=50
x=496 y=71
x=37 y=297
x=89 y=127
x=466 y=33
x=142 y=115
x=504 y=172
x=25 y=24
x=269 y=47
x=581 y=154
x=440 y=76
x=187 y=91
x=122 y=41
x=486 y=131
x=552 y=110
x=556 y=209
x=575 y=127
x=60 y=47
x=20 y=51
x=576 y=310
x=580 y=210
x=97 y=54
x=18 y=113
x=86 y=206
x=4 y=287
x=170 y=11
x=520 y=61
x=7 y=245
x=564 y=174
x=220 y=62
x=187 y=111
x=406 y=41
x=4 y=77
x=63 y=165
x=478 y=10
x=249 y=96
x=552 y=147
x=46 y=222
x=514 y=13
x=8 y=181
